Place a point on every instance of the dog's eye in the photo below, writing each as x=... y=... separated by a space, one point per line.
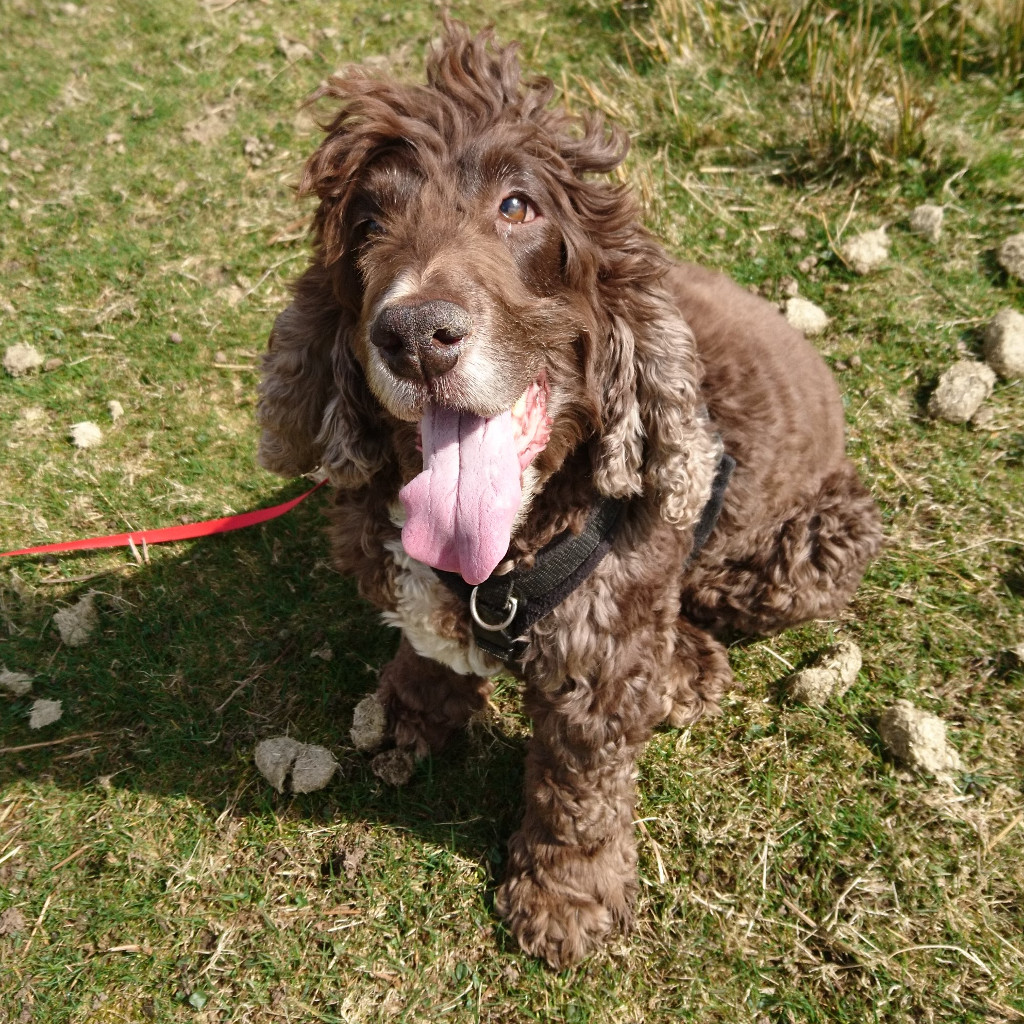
x=369 y=227
x=517 y=210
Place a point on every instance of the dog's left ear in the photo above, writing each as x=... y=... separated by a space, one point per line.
x=640 y=358
x=315 y=408
x=655 y=436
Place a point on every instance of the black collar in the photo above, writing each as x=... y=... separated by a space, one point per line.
x=503 y=608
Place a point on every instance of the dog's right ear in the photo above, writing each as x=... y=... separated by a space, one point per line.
x=314 y=407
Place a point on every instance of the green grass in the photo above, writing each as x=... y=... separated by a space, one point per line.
x=790 y=871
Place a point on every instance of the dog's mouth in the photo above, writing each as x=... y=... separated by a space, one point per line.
x=461 y=508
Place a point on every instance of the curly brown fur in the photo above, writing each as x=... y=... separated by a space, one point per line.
x=467 y=204
x=426 y=701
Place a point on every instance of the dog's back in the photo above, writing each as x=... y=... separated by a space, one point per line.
x=797 y=525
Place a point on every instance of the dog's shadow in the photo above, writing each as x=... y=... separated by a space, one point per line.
x=201 y=654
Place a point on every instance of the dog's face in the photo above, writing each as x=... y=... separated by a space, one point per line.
x=459 y=276
x=472 y=277
x=457 y=259
x=451 y=232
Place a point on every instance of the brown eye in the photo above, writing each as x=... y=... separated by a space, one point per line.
x=517 y=210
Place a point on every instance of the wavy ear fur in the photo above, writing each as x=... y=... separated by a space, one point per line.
x=314 y=406
x=656 y=437
x=641 y=363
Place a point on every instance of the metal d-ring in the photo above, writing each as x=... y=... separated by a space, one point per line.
x=513 y=604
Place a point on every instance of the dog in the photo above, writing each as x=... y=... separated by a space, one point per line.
x=554 y=451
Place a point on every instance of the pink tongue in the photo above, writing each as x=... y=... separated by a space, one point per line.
x=460 y=509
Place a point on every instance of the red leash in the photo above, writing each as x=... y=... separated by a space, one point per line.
x=168 y=533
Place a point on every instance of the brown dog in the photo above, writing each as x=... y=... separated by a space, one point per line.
x=554 y=450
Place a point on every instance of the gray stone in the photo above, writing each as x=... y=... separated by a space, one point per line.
x=961 y=390
x=805 y=316
x=1004 y=343
x=1011 y=256
x=926 y=220
x=867 y=252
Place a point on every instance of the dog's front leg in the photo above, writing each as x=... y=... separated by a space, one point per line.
x=572 y=864
x=427 y=701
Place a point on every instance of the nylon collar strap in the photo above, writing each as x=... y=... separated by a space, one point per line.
x=503 y=608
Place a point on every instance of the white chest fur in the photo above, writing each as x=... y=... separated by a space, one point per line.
x=419 y=595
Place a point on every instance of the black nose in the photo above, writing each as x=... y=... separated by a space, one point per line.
x=422 y=340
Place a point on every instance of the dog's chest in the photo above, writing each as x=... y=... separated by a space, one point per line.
x=431 y=618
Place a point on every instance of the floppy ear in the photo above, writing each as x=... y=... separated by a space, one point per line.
x=640 y=359
x=314 y=407
x=656 y=438
x=371 y=116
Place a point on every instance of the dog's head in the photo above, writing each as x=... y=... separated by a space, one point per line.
x=473 y=280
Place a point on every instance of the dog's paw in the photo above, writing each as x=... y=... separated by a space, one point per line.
x=412 y=730
x=426 y=702
x=563 y=904
x=699 y=676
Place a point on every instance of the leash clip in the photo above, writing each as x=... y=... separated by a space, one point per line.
x=511 y=606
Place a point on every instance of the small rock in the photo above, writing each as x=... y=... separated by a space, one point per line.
x=1004 y=343
x=798 y=233
x=174 y=338
x=85 y=434
x=807 y=264
x=961 y=390
x=53 y=364
x=369 y=724
x=395 y=766
x=288 y=764
x=918 y=739
x=314 y=767
x=789 y=286
x=805 y=316
x=984 y=419
x=832 y=676
x=12 y=921
x=78 y=622
x=45 y=712
x=293 y=50
x=17 y=683
x=116 y=409
x=867 y=252
x=21 y=359
x=926 y=220
x=324 y=653
x=1011 y=256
